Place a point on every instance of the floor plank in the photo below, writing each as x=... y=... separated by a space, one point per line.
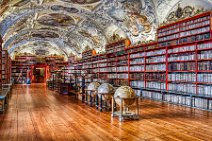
x=38 y=114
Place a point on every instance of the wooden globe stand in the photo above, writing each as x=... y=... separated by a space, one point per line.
x=102 y=104
x=124 y=113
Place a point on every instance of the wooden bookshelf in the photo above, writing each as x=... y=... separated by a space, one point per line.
x=1 y=41
x=176 y=69
x=22 y=67
x=55 y=62
x=6 y=67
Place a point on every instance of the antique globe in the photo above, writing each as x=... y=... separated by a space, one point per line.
x=93 y=87
x=124 y=92
x=106 y=90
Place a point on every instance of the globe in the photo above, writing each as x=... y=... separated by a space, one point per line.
x=93 y=86
x=124 y=92
x=106 y=89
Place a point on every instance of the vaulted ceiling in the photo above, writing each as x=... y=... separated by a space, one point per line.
x=72 y=26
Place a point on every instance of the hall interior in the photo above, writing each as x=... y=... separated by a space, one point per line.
x=95 y=70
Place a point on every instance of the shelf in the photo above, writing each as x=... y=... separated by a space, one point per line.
x=137 y=64
x=204 y=83
x=182 y=71
x=189 y=82
x=152 y=63
x=134 y=58
x=182 y=52
x=152 y=80
x=136 y=71
x=201 y=60
x=181 y=61
x=157 y=71
x=196 y=27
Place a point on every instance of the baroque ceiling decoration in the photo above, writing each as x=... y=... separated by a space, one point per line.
x=73 y=26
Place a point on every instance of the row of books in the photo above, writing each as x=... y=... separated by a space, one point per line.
x=135 y=49
x=156 y=52
x=190 y=39
x=158 y=67
x=121 y=58
x=182 y=87
x=180 y=99
x=170 y=37
x=168 y=32
x=187 y=77
x=189 y=66
x=111 y=64
x=185 y=34
x=124 y=62
x=204 y=90
x=137 y=68
x=137 y=84
x=118 y=76
x=184 y=56
x=175 y=26
x=196 y=25
x=140 y=54
x=184 y=26
x=156 y=59
x=205 y=54
x=206 y=65
x=139 y=76
x=205 y=45
x=182 y=49
x=89 y=66
x=156 y=85
x=137 y=61
x=204 y=77
x=200 y=103
x=122 y=68
x=137 y=92
x=198 y=20
x=151 y=95
x=156 y=76
x=103 y=64
x=118 y=82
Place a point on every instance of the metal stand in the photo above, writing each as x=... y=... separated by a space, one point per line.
x=102 y=104
x=90 y=97
x=124 y=112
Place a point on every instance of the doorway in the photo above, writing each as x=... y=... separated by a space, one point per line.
x=39 y=74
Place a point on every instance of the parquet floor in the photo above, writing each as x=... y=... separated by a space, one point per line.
x=36 y=113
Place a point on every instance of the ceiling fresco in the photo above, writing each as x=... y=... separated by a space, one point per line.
x=72 y=26
x=81 y=1
x=56 y=19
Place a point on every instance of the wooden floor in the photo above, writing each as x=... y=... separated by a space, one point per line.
x=36 y=113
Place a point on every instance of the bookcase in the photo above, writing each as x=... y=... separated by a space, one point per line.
x=6 y=67
x=55 y=62
x=1 y=41
x=22 y=66
x=177 y=68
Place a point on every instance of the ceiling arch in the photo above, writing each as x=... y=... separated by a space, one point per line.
x=82 y=24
